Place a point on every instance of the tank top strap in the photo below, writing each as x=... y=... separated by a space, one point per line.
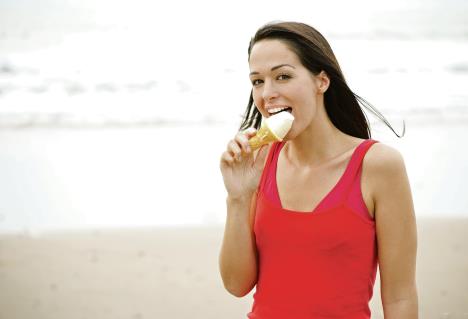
x=355 y=164
x=266 y=168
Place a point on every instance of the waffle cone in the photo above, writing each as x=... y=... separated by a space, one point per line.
x=264 y=136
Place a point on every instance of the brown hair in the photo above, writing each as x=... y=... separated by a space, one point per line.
x=342 y=105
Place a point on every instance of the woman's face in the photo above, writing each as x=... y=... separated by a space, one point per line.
x=279 y=80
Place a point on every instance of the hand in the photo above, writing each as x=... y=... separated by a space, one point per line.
x=240 y=167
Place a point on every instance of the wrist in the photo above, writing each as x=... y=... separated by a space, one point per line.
x=241 y=199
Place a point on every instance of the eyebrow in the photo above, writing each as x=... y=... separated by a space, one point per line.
x=274 y=68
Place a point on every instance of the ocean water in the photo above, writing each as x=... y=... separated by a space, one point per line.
x=115 y=113
x=106 y=62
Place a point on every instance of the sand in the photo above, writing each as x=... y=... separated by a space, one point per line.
x=173 y=273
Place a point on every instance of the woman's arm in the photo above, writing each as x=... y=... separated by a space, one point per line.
x=238 y=256
x=396 y=231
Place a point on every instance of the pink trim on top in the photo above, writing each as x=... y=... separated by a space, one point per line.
x=347 y=188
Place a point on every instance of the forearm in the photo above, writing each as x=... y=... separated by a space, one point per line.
x=237 y=260
x=402 y=309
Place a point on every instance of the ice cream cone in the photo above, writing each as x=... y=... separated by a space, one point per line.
x=263 y=136
x=273 y=129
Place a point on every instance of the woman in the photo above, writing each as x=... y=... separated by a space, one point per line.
x=309 y=218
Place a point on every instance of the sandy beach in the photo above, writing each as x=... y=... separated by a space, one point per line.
x=173 y=273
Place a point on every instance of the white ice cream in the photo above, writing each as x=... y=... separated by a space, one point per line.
x=280 y=123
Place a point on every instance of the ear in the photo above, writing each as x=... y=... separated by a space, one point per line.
x=323 y=82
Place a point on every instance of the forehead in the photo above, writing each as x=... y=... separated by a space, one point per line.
x=269 y=53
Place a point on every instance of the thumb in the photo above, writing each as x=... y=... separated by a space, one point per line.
x=261 y=156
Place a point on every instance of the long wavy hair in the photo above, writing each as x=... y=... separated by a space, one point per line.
x=342 y=105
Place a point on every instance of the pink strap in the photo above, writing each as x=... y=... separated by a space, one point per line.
x=355 y=164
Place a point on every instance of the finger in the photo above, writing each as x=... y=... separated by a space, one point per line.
x=251 y=131
x=227 y=158
x=243 y=141
x=234 y=149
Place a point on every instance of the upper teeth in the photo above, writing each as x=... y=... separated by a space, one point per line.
x=271 y=111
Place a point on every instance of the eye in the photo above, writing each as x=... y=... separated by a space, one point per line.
x=256 y=82
x=283 y=77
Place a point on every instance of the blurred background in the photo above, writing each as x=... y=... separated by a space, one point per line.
x=114 y=114
x=112 y=111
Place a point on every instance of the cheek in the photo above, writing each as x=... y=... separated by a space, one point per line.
x=307 y=100
x=257 y=100
x=305 y=93
x=257 y=96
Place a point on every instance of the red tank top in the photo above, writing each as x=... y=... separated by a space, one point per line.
x=319 y=264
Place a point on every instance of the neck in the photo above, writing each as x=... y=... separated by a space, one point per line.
x=319 y=143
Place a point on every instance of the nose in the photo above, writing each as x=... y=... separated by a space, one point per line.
x=269 y=91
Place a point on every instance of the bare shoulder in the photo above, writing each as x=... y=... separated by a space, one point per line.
x=382 y=160
x=384 y=172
